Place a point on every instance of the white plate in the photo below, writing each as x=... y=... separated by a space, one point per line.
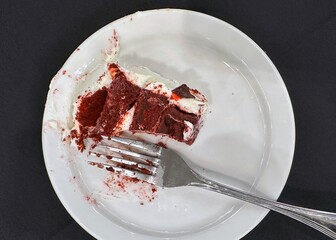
x=248 y=137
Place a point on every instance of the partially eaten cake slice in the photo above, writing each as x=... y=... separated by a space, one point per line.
x=138 y=103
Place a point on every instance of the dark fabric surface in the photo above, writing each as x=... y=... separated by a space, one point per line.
x=36 y=37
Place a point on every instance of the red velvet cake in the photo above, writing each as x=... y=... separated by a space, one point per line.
x=139 y=104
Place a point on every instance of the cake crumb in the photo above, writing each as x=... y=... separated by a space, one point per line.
x=91 y=200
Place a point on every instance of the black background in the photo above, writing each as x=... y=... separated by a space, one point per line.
x=38 y=36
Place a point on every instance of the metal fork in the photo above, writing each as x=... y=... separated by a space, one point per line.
x=165 y=168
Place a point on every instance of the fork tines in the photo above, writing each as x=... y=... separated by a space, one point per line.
x=130 y=157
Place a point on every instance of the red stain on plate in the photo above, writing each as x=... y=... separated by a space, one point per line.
x=116 y=183
x=101 y=77
x=55 y=91
x=91 y=200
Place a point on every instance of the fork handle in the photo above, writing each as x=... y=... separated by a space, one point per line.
x=324 y=222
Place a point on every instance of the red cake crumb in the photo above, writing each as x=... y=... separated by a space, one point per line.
x=99 y=165
x=161 y=144
x=101 y=77
x=55 y=90
x=90 y=199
